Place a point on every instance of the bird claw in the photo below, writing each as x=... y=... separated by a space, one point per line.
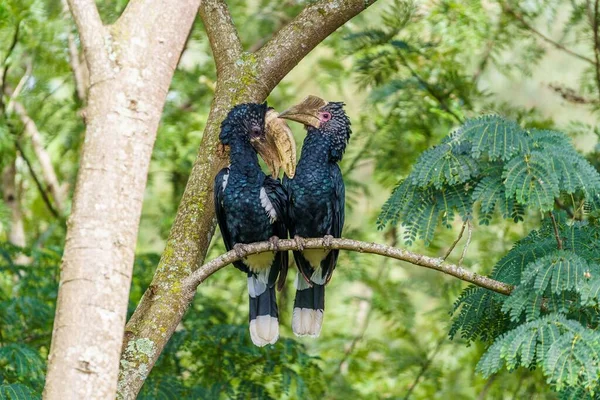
x=274 y=240
x=327 y=241
x=299 y=242
x=239 y=250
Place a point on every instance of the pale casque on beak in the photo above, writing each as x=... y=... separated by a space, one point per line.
x=277 y=147
x=306 y=112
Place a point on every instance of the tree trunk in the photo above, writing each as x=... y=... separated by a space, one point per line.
x=131 y=64
x=241 y=77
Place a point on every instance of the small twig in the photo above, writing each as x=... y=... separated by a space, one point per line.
x=201 y=274
x=453 y=245
x=564 y=207
x=556 y=233
x=5 y=63
x=571 y=95
x=484 y=60
x=37 y=181
x=464 y=252
x=19 y=87
x=545 y=38
x=429 y=89
x=486 y=387
x=424 y=368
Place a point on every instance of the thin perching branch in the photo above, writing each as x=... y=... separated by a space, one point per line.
x=197 y=277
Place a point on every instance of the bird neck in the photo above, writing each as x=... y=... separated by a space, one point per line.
x=316 y=147
x=243 y=156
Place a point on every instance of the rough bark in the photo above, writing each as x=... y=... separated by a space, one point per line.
x=10 y=195
x=242 y=77
x=131 y=64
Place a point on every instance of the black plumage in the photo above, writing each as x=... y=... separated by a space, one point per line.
x=316 y=199
x=251 y=207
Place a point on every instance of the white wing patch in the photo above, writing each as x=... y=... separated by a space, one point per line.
x=267 y=205
x=225 y=178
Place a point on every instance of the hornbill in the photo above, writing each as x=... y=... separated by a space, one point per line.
x=251 y=207
x=316 y=198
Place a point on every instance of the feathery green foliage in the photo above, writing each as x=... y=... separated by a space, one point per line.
x=487 y=163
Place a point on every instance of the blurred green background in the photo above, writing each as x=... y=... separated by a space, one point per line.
x=409 y=72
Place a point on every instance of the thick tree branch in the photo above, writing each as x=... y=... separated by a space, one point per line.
x=200 y=275
x=79 y=70
x=295 y=40
x=224 y=41
x=93 y=35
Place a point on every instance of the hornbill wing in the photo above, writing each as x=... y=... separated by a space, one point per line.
x=289 y=210
x=219 y=192
x=278 y=197
x=303 y=265
x=339 y=203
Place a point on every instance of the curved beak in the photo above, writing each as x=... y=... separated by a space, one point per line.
x=306 y=112
x=277 y=147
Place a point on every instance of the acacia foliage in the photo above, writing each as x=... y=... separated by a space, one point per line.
x=550 y=320
x=489 y=163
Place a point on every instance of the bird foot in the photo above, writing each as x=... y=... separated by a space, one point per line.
x=299 y=242
x=239 y=250
x=274 y=240
x=327 y=241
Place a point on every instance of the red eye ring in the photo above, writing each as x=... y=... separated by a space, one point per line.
x=325 y=116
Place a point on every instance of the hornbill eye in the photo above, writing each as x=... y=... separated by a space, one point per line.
x=255 y=131
x=325 y=116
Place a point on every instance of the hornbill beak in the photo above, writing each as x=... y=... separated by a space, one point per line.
x=306 y=112
x=277 y=147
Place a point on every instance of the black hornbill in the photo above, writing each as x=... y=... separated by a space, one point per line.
x=251 y=207
x=316 y=200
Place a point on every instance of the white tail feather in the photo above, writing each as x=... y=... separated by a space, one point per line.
x=264 y=330
x=307 y=322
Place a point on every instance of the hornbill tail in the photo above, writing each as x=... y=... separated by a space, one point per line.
x=309 y=306
x=264 y=316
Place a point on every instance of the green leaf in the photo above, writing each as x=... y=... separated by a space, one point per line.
x=531 y=180
x=494 y=136
x=17 y=391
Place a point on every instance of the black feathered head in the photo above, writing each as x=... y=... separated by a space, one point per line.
x=328 y=118
x=244 y=122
